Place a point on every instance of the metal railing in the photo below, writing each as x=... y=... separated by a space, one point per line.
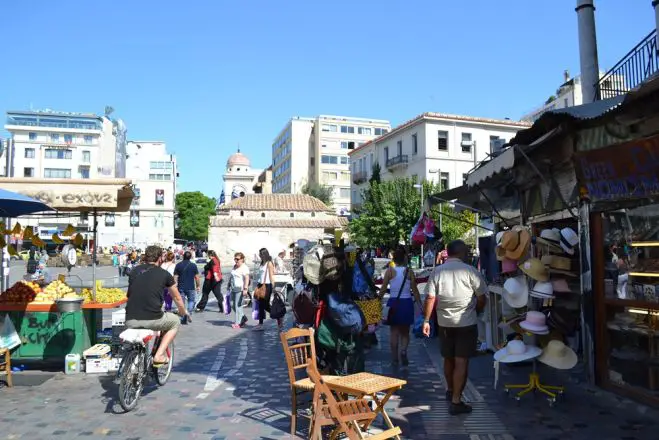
x=359 y=177
x=397 y=160
x=633 y=69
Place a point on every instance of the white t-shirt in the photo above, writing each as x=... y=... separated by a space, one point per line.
x=238 y=276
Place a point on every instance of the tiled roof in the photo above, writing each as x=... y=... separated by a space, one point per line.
x=276 y=202
x=223 y=221
x=444 y=116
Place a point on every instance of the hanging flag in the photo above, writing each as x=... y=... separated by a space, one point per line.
x=222 y=198
x=234 y=193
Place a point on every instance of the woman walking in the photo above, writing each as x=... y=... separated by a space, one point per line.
x=239 y=285
x=266 y=277
x=402 y=285
x=169 y=265
x=212 y=283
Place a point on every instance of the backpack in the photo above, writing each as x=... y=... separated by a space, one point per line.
x=305 y=306
x=321 y=264
x=32 y=266
x=278 y=307
x=345 y=314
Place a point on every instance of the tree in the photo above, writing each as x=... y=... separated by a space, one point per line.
x=321 y=192
x=194 y=210
x=375 y=175
x=455 y=225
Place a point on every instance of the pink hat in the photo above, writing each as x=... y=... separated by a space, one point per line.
x=508 y=266
x=560 y=286
x=535 y=322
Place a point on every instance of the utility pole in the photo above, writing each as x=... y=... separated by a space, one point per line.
x=588 y=50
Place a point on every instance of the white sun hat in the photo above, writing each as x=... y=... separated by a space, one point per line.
x=558 y=355
x=517 y=351
x=542 y=290
x=516 y=292
x=569 y=240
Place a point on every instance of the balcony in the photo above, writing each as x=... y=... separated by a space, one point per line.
x=359 y=177
x=633 y=69
x=395 y=162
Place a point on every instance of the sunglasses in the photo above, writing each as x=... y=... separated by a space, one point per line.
x=237 y=259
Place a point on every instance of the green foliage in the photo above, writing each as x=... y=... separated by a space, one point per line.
x=194 y=210
x=321 y=192
x=391 y=209
x=375 y=175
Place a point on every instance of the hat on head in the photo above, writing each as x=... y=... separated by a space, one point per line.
x=516 y=351
x=535 y=322
x=558 y=355
x=569 y=240
x=535 y=269
x=550 y=237
x=542 y=290
x=516 y=242
x=516 y=292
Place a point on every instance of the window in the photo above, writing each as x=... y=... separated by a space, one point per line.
x=54 y=137
x=386 y=154
x=242 y=213
x=344 y=193
x=328 y=128
x=86 y=156
x=324 y=145
x=443 y=181
x=466 y=142
x=28 y=172
x=399 y=148
x=292 y=214
x=163 y=165
x=160 y=197
x=313 y=214
x=68 y=138
x=88 y=139
x=442 y=140
x=344 y=145
x=160 y=177
x=345 y=177
x=53 y=153
x=380 y=131
x=347 y=129
x=366 y=131
x=109 y=220
x=345 y=160
x=84 y=172
x=29 y=153
x=56 y=173
x=370 y=162
x=33 y=136
x=331 y=160
x=464 y=178
x=329 y=176
x=415 y=144
x=263 y=215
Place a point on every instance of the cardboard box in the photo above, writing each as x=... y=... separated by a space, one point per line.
x=113 y=364
x=96 y=366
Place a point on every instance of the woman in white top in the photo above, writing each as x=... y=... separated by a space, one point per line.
x=266 y=276
x=402 y=285
x=169 y=265
x=239 y=284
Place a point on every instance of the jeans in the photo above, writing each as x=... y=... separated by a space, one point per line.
x=237 y=296
x=191 y=295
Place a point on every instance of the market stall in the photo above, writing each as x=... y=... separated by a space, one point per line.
x=45 y=332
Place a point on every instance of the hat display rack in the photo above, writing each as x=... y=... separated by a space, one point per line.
x=540 y=283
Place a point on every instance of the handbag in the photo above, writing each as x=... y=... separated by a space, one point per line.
x=278 y=307
x=261 y=291
x=390 y=311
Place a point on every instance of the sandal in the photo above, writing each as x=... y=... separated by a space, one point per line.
x=160 y=364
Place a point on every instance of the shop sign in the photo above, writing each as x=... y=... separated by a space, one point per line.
x=57 y=199
x=624 y=171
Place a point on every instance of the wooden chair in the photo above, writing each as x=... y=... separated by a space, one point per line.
x=346 y=415
x=299 y=355
x=6 y=363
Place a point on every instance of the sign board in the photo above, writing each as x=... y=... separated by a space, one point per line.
x=623 y=171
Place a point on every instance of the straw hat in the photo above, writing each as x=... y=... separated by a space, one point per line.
x=516 y=351
x=558 y=355
x=535 y=269
x=516 y=243
x=556 y=262
x=516 y=292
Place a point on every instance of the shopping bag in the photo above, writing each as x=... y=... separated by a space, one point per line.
x=227 y=304
x=8 y=335
x=255 y=310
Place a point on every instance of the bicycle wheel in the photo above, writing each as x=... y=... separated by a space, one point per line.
x=130 y=383
x=162 y=374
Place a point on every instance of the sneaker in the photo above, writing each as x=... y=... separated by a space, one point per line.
x=404 y=360
x=449 y=395
x=236 y=326
x=198 y=310
x=459 y=408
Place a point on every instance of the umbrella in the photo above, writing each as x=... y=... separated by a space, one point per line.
x=14 y=205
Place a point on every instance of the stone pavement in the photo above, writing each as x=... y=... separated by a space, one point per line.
x=232 y=384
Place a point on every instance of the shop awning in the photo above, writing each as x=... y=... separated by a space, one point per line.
x=504 y=161
x=75 y=195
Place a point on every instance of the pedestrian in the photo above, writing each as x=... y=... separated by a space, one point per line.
x=266 y=277
x=169 y=265
x=239 y=284
x=402 y=285
x=186 y=275
x=459 y=291
x=212 y=282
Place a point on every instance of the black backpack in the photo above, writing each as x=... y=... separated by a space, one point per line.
x=278 y=307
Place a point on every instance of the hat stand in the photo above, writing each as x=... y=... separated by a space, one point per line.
x=552 y=392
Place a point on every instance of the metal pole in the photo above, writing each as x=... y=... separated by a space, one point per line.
x=4 y=275
x=587 y=50
x=94 y=256
x=421 y=259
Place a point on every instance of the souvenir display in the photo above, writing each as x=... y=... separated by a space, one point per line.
x=516 y=292
x=517 y=351
x=535 y=269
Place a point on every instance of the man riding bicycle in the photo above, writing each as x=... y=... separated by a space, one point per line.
x=147 y=283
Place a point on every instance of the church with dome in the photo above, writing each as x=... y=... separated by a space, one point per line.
x=240 y=179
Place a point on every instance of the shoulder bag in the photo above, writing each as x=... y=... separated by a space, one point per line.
x=389 y=312
x=261 y=291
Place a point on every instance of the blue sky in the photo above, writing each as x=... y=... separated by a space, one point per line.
x=204 y=76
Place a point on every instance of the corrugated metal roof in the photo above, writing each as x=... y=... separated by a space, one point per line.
x=589 y=111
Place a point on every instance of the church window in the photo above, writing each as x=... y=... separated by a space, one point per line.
x=263 y=215
x=242 y=213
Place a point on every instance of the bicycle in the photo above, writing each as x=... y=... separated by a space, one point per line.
x=137 y=365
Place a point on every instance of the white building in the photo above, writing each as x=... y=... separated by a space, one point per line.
x=239 y=177
x=60 y=145
x=435 y=147
x=151 y=219
x=316 y=150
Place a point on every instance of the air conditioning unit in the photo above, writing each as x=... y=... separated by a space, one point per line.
x=496 y=146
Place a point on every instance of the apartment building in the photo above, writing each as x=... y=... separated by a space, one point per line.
x=61 y=145
x=437 y=147
x=151 y=220
x=316 y=150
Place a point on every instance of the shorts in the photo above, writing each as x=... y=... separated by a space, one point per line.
x=458 y=341
x=169 y=321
